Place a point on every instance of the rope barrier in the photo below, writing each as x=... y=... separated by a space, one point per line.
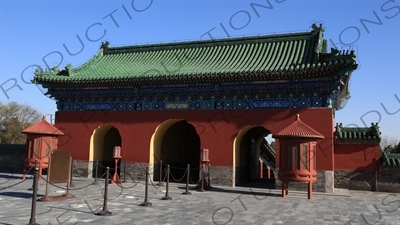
x=151 y=181
x=110 y=177
x=135 y=184
x=71 y=189
x=173 y=167
x=28 y=170
x=191 y=181
x=108 y=167
x=179 y=179
x=130 y=170
x=12 y=185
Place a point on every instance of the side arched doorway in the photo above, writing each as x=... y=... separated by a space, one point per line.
x=251 y=149
x=102 y=143
x=177 y=144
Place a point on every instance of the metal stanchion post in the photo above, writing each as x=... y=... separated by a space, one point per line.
x=32 y=220
x=105 y=212
x=202 y=178
x=187 y=181
x=167 y=197
x=96 y=170
x=376 y=181
x=146 y=202
x=72 y=169
x=209 y=179
x=161 y=169
x=124 y=181
x=30 y=189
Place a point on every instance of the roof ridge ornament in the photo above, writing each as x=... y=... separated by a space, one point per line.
x=105 y=45
x=374 y=130
x=317 y=28
x=66 y=72
x=55 y=69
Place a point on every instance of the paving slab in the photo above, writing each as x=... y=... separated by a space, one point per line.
x=219 y=205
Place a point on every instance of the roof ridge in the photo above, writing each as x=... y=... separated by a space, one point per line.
x=232 y=37
x=95 y=58
x=69 y=70
x=274 y=37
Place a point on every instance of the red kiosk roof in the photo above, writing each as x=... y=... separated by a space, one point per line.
x=298 y=129
x=42 y=127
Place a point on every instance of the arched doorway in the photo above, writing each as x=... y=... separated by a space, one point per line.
x=177 y=144
x=102 y=143
x=252 y=146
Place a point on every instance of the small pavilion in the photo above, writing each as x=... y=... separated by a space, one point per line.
x=297 y=149
x=41 y=140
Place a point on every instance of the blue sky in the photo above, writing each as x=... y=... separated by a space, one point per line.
x=35 y=30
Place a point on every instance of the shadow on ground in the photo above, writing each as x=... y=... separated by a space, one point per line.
x=18 y=194
x=268 y=185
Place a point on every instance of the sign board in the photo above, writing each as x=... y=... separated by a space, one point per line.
x=59 y=166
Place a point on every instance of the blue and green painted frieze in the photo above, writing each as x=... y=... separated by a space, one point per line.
x=190 y=97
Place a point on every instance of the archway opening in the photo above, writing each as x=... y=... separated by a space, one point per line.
x=254 y=154
x=102 y=143
x=177 y=144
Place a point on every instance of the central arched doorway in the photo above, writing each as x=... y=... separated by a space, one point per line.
x=177 y=144
x=102 y=143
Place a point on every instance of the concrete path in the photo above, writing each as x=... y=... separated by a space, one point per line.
x=220 y=205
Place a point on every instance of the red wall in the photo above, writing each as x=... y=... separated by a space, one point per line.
x=365 y=157
x=217 y=130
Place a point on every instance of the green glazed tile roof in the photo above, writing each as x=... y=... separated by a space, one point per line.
x=358 y=135
x=11 y=149
x=270 y=57
x=391 y=160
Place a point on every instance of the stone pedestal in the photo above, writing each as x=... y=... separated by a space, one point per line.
x=329 y=182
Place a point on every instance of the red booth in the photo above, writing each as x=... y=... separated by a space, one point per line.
x=42 y=138
x=297 y=151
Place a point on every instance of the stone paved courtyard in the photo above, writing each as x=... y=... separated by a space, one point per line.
x=220 y=205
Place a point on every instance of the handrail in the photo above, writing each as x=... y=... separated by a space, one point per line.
x=269 y=148
x=265 y=161
x=267 y=153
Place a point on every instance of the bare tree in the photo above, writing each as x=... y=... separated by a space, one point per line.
x=389 y=143
x=15 y=117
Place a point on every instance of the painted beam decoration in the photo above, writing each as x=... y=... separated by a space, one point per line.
x=188 y=97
